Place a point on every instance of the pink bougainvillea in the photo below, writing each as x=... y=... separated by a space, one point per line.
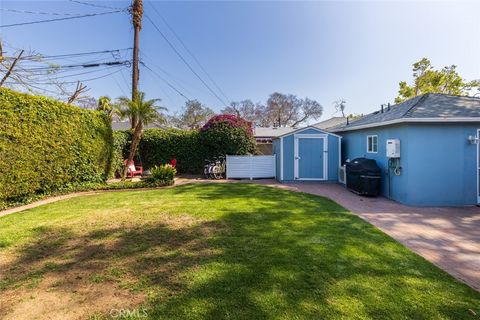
x=231 y=119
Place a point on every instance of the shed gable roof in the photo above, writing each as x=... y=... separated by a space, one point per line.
x=306 y=128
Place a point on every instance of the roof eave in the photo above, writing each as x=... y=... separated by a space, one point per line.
x=407 y=120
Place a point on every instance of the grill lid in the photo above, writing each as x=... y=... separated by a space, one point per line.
x=363 y=166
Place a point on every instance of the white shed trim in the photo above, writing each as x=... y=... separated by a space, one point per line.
x=306 y=128
x=281 y=158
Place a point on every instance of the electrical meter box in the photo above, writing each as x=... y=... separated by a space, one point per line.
x=393 y=148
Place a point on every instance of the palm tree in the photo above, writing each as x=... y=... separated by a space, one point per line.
x=145 y=112
x=105 y=105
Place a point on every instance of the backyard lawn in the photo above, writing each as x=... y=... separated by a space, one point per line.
x=215 y=251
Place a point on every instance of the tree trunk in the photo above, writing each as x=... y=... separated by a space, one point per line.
x=137 y=134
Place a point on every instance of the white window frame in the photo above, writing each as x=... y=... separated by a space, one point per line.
x=368 y=146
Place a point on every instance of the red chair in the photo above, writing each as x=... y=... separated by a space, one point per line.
x=133 y=169
x=173 y=162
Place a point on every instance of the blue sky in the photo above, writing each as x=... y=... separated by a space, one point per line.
x=358 y=51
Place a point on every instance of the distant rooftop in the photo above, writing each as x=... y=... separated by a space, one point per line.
x=125 y=125
x=271 y=132
x=330 y=123
x=428 y=106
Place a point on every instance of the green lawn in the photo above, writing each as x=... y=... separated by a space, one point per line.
x=216 y=251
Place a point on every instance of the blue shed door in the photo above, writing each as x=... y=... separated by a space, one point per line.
x=309 y=158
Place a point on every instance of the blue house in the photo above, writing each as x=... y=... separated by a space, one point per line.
x=427 y=148
x=307 y=154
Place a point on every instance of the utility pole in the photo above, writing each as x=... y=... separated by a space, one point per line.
x=136 y=10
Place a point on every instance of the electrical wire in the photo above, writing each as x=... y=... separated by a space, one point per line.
x=185 y=61
x=95 y=5
x=59 y=19
x=74 y=54
x=65 y=82
x=39 y=12
x=190 y=52
x=164 y=80
x=168 y=74
x=91 y=65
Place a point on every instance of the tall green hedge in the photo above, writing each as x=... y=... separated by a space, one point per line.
x=192 y=147
x=159 y=146
x=47 y=145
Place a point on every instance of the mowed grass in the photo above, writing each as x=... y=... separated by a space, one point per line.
x=217 y=251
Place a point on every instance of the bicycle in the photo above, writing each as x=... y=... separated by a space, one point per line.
x=219 y=168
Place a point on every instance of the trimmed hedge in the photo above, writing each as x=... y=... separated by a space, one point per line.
x=121 y=144
x=192 y=147
x=46 y=145
x=159 y=146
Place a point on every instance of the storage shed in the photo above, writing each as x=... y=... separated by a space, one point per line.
x=307 y=154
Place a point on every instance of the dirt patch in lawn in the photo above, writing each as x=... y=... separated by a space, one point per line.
x=69 y=274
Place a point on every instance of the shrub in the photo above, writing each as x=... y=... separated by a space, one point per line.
x=161 y=146
x=46 y=145
x=222 y=135
x=231 y=120
x=163 y=175
x=121 y=144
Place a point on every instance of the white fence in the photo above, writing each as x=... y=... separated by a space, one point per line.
x=250 y=167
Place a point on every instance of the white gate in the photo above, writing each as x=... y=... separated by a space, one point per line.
x=250 y=167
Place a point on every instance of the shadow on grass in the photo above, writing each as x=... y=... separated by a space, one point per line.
x=267 y=253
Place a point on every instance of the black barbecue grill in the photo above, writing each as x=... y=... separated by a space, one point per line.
x=363 y=176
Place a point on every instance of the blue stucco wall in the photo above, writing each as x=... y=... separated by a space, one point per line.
x=289 y=149
x=438 y=164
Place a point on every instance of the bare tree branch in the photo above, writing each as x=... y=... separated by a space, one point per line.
x=11 y=68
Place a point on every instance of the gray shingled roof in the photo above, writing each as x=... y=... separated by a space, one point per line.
x=271 y=132
x=430 y=105
x=330 y=123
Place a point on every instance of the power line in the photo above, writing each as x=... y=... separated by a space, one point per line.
x=174 y=78
x=90 y=65
x=164 y=80
x=75 y=54
x=39 y=12
x=59 y=19
x=185 y=61
x=95 y=5
x=190 y=53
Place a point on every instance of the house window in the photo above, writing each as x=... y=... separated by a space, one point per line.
x=372 y=144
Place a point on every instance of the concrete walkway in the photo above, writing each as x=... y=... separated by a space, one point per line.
x=447 y=237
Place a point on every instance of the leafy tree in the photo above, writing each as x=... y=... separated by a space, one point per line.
x=194 y=115
x=145 y=112
x=227 y=135
x=428 y=80
x=288 y=110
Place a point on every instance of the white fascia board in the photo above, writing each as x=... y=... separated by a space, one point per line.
x=409 y=120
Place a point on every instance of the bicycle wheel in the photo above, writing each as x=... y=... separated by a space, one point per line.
x=217 y=172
